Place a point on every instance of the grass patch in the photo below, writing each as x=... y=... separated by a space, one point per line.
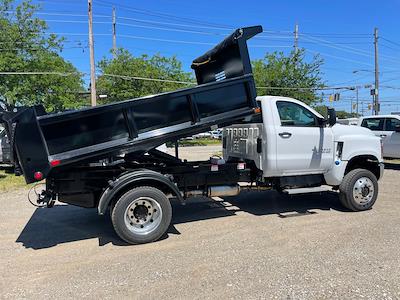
x=197 y=142
x=392 y=161
x=219 y=153
x=10 y=181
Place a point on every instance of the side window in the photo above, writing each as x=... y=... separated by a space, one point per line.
x=391 y=124
x=373 y=123
x=292 y=114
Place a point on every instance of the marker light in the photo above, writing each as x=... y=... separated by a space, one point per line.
x=38 y=175
x=55 y=162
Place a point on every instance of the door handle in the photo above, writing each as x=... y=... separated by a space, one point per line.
x=285 y=135
x=383 y=135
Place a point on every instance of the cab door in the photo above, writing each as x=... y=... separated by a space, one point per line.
x=376 y=125
x=391 y=145
x=303 y=145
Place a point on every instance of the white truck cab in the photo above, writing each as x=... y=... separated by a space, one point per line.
x=387 y=127
x=294 y=145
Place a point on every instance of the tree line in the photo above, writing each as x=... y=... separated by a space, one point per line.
x=58 y=85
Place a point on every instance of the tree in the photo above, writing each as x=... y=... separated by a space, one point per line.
x=25 y=47
x=340 y=114
x=115 y=80
x=296 y=77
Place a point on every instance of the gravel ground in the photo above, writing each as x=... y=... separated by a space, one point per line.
x=256 y=245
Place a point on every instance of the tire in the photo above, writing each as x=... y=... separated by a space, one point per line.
x=141 y=215
x=358 y=190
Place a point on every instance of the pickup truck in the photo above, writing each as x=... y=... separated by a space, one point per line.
x=387 y=127
x=107 y=157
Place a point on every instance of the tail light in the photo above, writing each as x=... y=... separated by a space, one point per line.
x=38 y=176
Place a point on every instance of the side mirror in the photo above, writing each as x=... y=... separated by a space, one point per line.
x=322 y=122
x=331 y=116
x=397 y=128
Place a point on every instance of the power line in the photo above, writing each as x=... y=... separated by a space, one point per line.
x=389 y=47
x=193 y=42
x=159 y=28
x=170 y=29
x=175 y=24
x=148 y=79
x=178 y=81
x=265 y=32
x=333 y=45
x=390 y=41
x=160 y=14
x=350 y=49
x=350 y=35
x=70 y=15
x=338 y=57
x=307 y=88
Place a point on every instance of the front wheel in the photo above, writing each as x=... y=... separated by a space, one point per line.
x=141 y=215
x=358 y=190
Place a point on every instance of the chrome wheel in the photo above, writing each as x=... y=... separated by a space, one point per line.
x=143 y=215
x=363 y=190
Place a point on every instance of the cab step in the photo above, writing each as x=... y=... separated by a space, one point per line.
x=318 y=189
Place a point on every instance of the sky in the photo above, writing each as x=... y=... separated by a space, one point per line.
x=340 y=31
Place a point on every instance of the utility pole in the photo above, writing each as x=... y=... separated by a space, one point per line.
x=357 y=99
x=296 y=38
x=362 y=108
x=376 y=93
x=91 y=48
x=114 y=31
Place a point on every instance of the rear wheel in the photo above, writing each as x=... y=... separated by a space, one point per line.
x=141 y=215
x=358 y=190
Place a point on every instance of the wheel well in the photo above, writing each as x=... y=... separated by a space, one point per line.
x=145 y=182
x=368 y=162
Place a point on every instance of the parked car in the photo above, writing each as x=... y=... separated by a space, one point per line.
x=203 y=135
x=348 y=121
x=387 y=127
x=216 y=134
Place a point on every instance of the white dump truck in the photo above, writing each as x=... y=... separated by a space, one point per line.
x=106 y=157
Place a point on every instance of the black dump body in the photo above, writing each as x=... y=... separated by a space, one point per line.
x=226 y=94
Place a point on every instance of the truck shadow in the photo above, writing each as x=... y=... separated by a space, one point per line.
x=64 y=223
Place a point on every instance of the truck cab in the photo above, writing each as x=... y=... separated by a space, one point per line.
x=292 y=142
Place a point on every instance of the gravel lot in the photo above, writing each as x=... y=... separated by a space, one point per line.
x=256 y=245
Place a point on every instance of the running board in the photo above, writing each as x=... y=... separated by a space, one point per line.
x=318 y=189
